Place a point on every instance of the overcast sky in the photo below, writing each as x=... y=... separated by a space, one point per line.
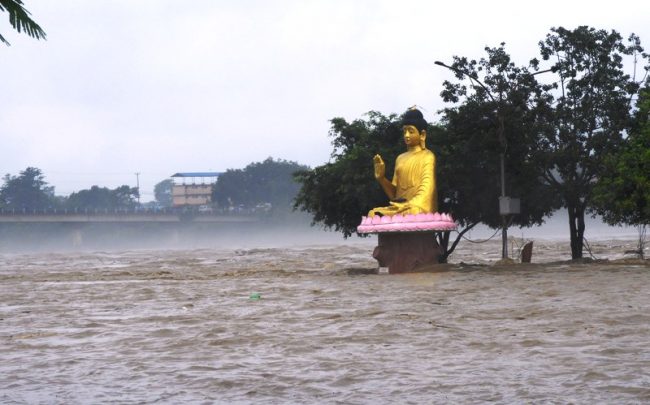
x=161 y=86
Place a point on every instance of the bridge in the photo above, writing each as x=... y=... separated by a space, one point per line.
x=95 y=228
x=123 y=216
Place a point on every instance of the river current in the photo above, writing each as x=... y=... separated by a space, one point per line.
x=187 y=326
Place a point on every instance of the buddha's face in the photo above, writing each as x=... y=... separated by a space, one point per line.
x=412 y=136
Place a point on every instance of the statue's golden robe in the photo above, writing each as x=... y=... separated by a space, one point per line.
x=415 y=185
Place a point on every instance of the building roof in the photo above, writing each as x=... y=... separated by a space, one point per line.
x=197 y=174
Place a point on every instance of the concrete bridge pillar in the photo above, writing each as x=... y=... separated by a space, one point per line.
x=77 y=237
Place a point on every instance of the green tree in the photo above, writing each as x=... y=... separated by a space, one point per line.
x=622 y=193
x=591 y=112
x=338 y=193
x=28 y=191
x=270 y=181
x=497 y=118
x=20 y=20
x=123 y=197
x=163 y=192
x=94 y=198
x=232 y=188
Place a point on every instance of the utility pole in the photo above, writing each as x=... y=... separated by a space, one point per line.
x=137 y=179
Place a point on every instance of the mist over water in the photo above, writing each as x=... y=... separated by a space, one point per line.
x=26 y=238
x=177 y=324
x=69 y=237
x=556 y=227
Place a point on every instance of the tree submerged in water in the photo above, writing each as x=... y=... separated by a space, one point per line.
x=555 y=138
x=570 y=125
x=622 y=194
x=496 y=118
x=590 y=112
x=339 y=192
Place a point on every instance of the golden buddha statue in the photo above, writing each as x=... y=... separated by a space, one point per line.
x=413 y=188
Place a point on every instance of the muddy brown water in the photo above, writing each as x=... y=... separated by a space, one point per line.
x=179 y=326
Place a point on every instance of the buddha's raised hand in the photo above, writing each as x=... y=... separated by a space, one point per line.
x=380 y=167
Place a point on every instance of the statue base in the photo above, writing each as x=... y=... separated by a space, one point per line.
x=404 y=252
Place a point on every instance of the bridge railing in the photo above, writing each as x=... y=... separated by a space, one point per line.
x=125 y=211
x=84 y=211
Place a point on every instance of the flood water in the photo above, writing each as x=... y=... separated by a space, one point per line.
x=179 y=326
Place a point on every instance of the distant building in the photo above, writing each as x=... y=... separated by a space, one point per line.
x=193 y=188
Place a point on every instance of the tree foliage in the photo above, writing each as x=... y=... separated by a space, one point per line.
x=500 y=114
x=622 y=194
x=20 y=20
x=28 y=191
x=591 y=111
x=123 y=197
x=163 y=192
x=337 y=193
x=553 y=137
x=270 y=181
x=559 y=132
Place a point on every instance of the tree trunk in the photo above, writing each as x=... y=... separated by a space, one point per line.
x=443 y=242
x=577 y=229
x=445 y=252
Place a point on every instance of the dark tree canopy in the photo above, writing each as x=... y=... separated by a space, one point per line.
x=163 y=192
x=554 y=137
x=270 y=181
x=338 y=193
x=622 y=194
x=500 y=116
x=501 y=113
x=28 y=191
x=591 y=111
x=20 y=20
x=123 y=197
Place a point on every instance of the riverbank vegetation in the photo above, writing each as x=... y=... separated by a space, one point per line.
x=568 y=125
x=266 y=187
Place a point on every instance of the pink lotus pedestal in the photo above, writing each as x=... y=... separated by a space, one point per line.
x=406 y=243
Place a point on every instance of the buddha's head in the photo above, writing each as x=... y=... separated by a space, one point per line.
x=414 y=128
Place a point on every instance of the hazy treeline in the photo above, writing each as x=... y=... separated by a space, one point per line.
x=29 y=191
x=267 y=185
